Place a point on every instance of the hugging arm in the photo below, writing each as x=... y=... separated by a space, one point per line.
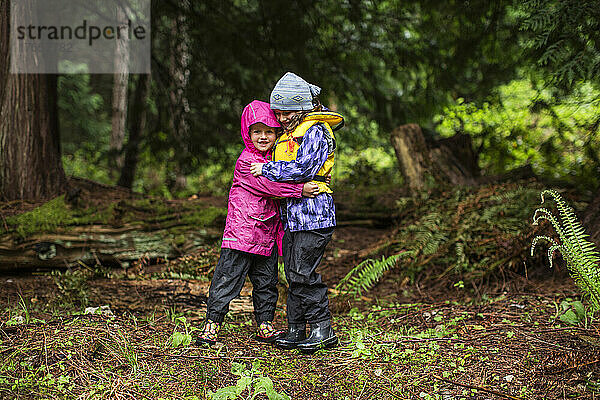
x=263 y=187
x=311 y=156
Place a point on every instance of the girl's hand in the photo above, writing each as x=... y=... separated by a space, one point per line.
x=310 y=189
x=256 y=169
x=328 y=180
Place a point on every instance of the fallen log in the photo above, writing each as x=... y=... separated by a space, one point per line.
x=101 y=244
x=105 y=226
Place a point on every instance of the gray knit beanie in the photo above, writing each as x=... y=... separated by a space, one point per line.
x=292 y=93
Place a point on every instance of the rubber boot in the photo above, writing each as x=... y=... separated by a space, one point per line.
x=295 y=334
x=267 y=333
x=208 y=335
x=321 y=336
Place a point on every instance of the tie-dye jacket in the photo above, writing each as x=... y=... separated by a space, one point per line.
x=303 y=214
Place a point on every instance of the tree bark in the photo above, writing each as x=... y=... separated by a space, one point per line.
x=136 y=131
x=411 y=150
x=179 y=70
x=30 y=163
x=119 y=101
x=450 y=160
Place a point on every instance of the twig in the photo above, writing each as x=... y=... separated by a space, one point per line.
x=577 y=366
x=396 y=395
x=209 y=357
x=46 y=351
x=411 y=339
x=506 y=396
x=548 y=343
x=566 y=328
x=363 y=389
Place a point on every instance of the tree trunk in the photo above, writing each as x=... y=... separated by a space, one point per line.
x=119 y=102
x=451 y=160
x=591 y=219
x=411 y=150
x=30 y=163
x=179 y=70
x=137 y=130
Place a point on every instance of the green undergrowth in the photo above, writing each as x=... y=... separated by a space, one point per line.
x=150 y=213
x=462 y=234
x=387 y=351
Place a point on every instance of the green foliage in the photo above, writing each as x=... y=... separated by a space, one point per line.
x=88 y=164
x=367 y=273
x=466 y=232
x=521 y=124
x=181 y=339
x=562 y=36
x=573 y=312
x=581 y=256
x=250 y=380
x=84 y=121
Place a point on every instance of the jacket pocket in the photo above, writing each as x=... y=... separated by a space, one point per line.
x=262 y=217
x=263 y=228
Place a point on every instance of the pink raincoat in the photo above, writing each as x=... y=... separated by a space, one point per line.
x=253 y=223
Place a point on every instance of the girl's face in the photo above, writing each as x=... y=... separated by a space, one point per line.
x=263 y=137
x=285 y=118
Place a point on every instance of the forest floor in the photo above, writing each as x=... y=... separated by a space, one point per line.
x=507 y=339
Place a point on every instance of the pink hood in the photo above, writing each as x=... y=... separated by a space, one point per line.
x=257 y=111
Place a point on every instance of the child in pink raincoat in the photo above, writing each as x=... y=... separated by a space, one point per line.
x=253 y=230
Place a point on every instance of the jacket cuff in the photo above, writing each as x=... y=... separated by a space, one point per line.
x=298 y=192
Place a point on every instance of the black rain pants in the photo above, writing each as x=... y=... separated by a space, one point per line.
x=307 y=295
x=229 y=277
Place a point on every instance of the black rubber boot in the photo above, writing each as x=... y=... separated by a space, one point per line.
x=295 y=334
x=321 y=336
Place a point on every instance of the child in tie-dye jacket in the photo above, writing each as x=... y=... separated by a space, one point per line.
x=305 y=152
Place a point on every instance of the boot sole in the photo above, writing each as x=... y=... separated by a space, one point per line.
x=325 y=344
x=270 y=339
x=286 y=346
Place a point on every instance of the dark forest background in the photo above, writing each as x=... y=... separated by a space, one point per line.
x=520 y=78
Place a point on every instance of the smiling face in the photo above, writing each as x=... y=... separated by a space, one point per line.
x=263 y=137
x=286 y=118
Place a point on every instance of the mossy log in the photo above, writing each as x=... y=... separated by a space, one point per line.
x=118 y=232
x=101 y=244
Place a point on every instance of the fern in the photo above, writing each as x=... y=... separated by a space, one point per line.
x=428 y=235
x=580 y=254
x=367 y=273
x=464 y=232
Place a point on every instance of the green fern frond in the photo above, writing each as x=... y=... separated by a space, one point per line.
x=367 y=273
x=581 y=256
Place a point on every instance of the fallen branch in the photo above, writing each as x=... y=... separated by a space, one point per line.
x=577 y=366
x=506 y=396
